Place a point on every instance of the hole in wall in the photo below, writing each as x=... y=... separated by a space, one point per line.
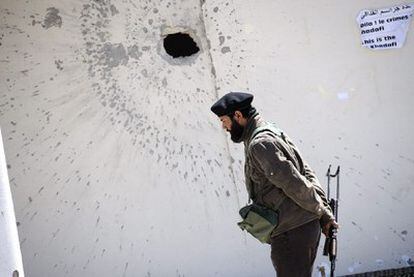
x=180 y=45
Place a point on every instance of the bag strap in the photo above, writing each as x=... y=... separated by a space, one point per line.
x=270 y=127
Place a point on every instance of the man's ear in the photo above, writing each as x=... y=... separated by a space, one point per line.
x=238 y=115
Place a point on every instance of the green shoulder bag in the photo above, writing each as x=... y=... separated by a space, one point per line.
x=259 y=221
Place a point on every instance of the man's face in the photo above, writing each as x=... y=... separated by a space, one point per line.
x=225 y=122
x=233 y=127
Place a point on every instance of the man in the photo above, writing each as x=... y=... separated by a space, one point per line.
x=278 y=178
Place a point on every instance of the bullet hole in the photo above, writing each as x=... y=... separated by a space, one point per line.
x=180 y=45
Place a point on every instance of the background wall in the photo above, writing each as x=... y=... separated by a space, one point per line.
x=118 y=168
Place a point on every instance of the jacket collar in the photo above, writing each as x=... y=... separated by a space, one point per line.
x=252 y=123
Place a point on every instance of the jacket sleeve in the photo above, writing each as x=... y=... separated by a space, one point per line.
x=310 y=176
x=283 y=174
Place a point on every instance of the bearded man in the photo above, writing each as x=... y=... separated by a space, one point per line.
x=278 y=178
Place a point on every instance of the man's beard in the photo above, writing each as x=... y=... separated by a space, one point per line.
x=236 y=131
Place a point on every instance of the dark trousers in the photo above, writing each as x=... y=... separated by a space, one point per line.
x=294 y=252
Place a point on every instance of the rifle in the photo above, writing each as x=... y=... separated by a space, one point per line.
x=330 y=248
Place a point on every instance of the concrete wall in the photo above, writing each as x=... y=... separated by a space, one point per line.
x=118 y=168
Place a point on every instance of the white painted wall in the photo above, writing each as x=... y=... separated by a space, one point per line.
x=118 y=168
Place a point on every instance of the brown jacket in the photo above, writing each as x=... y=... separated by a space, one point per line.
x=278 y=177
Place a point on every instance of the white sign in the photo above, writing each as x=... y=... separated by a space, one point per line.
x=385 y=28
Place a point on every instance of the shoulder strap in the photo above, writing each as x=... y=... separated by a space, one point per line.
x=270 y=127
x=267 y=127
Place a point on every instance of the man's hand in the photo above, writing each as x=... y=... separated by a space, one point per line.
x=325 y=229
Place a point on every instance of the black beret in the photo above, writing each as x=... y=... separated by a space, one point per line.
x=231 y=102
